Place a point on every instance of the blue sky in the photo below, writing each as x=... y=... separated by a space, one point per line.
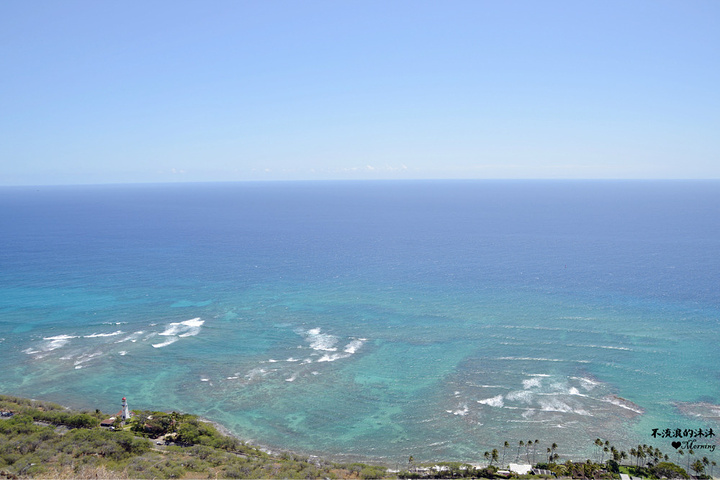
x=156 y=91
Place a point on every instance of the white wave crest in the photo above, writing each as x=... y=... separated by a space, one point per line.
x=496 y=401
x=461 y=411
x=354 y=346
x=167 y=342
x=321 y=341
x=331 y=357
x=187 y=328
x=464 y=410
x=623 y=403
x=86 y=358
x=178 y=330
x=554 y=404
x=524 y=396
x=531 y=382
x=53 y=343
x=255 y=373
x=133 y=337
x=97 y=335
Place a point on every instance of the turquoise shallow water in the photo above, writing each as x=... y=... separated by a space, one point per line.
x=373 y=321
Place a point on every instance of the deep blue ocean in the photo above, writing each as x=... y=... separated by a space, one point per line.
x=373 y=320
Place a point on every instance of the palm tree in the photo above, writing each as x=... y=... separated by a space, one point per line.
x=606 y=449
x=690 y=453
x=597 y=443
x=698 y=466
x=527 y=450
x=633 y=452
x=553 y=456
x=487 y=457
x=623 y=455
x=494 y=456
x=506 y=445
x=712 y=465
x=520 y=445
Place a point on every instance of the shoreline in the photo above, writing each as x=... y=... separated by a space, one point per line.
x=46 y=413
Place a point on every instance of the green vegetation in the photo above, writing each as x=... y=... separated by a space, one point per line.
x=45 y=440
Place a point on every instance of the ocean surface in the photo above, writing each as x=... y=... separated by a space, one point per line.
x=374 y=320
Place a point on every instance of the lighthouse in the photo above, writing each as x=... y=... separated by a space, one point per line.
x=125 y=410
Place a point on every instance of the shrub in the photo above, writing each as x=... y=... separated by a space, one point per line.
x=669 y=470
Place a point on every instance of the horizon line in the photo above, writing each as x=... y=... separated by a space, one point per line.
x=359 y=180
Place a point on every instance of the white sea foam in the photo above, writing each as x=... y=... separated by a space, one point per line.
x=554 y=404
x=531 y=382
x=86 y=358
x=291 y=359
x=167 y=342
x=524 y=396
x=623 y=403
x=97 y=335
x=437 y=444
x=321 y=341
x=187 y=328
x=53 y=343
x=255 y=373
x=496 y=401
x=331 y=357
x=178 y=330
x=586 y=380
x=122 y=352
x=354 y=346
x=606 y=347
x=133 y=337
x=462 y=411
x=575 y=391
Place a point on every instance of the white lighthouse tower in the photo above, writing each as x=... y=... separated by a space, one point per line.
x=125 y=410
